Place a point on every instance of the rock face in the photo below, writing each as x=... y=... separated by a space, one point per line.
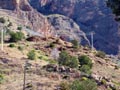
x=90 y=15
x=67 y=28
x=8 y=4
x=27 y=16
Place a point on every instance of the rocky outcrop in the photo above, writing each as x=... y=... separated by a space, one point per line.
x=90 y=15
x=67 y=28
x=26 y=16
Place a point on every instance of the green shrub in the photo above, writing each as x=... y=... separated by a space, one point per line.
x=83 y=85
x=75 y=44
x=84 y=78
x=2 y=20
x=52 y=61
x=1 y=78
x=16 y=36
x=100 y=54
x=64 y=86
x=85 y=60
x=28 y=27
x=85 y=64
x=11 y=45
x=73 y=62
x=20 y=48
x=67 y=60
x=31 y=55
x=86 y=69
x=63 y=58
x=103 y=81
x=19 y=28
x=52 y=45
x=117 y=67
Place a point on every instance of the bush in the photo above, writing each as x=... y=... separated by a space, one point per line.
x=11 y=45
x=73 y=62
x=103 y=81
x=64 y=86
x=84 y=85
x=2 y=20
x=63 y=58
x=16 y=36
x=31 y=55
x=19 y=28
x=75 y=44
x=20 y=48
x=52 y=45
x=100 y=54
x=85 y=60
x=84 y=78
x=67 y=60
x=86 y=69
x=1 y=78
x=85 y=64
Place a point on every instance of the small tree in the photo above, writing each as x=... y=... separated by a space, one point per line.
x=16 y=36
x=31 y=55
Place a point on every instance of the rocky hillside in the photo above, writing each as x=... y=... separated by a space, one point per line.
x=36 y=52
x=45 y=73
x=37 y=22
x=90 y=16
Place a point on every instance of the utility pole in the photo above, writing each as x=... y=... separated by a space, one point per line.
x=25 y=70
x=2 y=39
x=92 y=39
x=26 y=67
x=92 y=46
x=24 y=80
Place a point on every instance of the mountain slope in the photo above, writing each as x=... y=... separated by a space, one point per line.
x=35 y=20
x=90 y=15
